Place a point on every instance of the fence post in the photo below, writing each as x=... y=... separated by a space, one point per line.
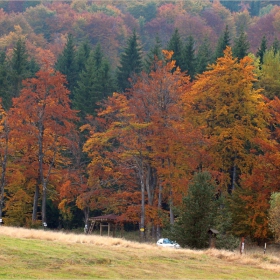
x=242 y=245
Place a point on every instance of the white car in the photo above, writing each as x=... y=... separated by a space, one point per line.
x=165 y=242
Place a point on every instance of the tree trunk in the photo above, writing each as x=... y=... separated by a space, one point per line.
x=3 y=175
x=159 y=209
x=171 y=213
x=142 y=219
x=44 y=203
x=233 y=177
x=35 y=203
x=142 y=215
x=233 y=174
x=86 y=214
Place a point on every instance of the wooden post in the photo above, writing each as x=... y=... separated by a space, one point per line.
x=242 y=245
x=264 y=249
x=114 y=230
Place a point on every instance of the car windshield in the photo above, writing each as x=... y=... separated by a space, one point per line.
x=167 y=241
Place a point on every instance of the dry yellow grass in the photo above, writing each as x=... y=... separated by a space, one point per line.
x=139 y=251
x=70 y=238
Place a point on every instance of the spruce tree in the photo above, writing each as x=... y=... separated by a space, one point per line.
x=154 y=54
x=275 y=46
x=189 y=59
x=4 y=83
x=82 y=56
x=241 y=46
x=176 y=45
x=255 y=7
x=204 y=57
x=67 y=64
x=233 y=6
x=130 y=63
x=261 y=50
x=197 y=214
x=223 y=42
x=33 y=67
x=19 y=68
x=94 y=84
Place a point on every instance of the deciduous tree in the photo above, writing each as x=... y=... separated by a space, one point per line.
x=231 y=112
x=41 y=118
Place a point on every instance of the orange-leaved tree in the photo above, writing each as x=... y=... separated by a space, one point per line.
x=142 y=143
x=231 y=113
x=118 y=156
x=40 y=120
x=258 y=185
x=172 y=141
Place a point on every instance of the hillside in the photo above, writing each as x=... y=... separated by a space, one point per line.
x=139 y=109
x=48 y=255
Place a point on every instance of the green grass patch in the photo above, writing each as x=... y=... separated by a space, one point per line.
x=41 y=259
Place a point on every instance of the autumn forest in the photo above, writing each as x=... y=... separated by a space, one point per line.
x=165 y=113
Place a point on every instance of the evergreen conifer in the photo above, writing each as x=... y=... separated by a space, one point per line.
x=261 y=50
x=4 y=84
x=189 y=59
x=203 y=56
x=130 y=62
x=197 y=214
x=67 y=64
x=241 y=46
x=83 y=55
x=275 y=46
x=19 y=68
x=176 y=45
x=223 y=42
x=154 y=53
x=94 y=84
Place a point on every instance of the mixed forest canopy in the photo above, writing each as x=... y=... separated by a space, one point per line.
x=157 y=111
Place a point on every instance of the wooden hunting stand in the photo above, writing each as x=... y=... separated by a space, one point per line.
x=212 y=237
x=109 y=221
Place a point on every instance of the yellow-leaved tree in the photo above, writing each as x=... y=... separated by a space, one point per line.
x=231 y=113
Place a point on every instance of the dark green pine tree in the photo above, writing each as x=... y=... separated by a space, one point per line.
x=130 y=63
x=175 y=44
x=261 y=50
x=19 y=68
x=33 y=67
x=67 y=64
x=241 y=46
x=4 y=83
x=94 y=84
x=197 y=214
x=153 y=55
x=223 y=42
x=275 y=46
x=188 y=58
x=233 y=6
x=255 y=7
x=97 y=56
x=204 y=56
x=83 y=55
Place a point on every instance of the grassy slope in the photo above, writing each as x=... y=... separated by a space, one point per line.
x=44 y=255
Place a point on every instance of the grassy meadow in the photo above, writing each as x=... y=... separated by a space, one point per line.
x=38 y=254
